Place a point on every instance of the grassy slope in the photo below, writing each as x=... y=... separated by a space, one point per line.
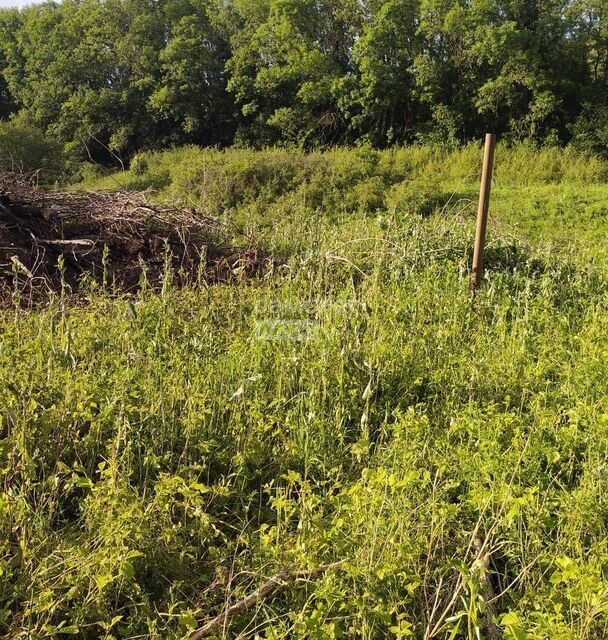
x=351 y=405
x=548 y=196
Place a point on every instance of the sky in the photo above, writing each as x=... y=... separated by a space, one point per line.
x=17 y=3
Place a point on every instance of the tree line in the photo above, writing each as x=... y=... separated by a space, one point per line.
x=105 y=78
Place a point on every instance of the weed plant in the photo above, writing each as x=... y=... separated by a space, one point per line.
x=163 y=455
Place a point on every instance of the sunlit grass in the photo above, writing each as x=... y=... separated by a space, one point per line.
x=352 y=404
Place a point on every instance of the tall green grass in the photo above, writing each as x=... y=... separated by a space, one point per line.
x=549 y=195
x=352 y=404
x=232 y=176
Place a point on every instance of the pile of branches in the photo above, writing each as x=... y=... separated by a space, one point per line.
x=52 y=242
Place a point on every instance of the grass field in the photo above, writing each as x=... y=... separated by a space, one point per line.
x=165 y=455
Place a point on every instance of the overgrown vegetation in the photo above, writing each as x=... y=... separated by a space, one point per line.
x=165 y=454
x=554 y=194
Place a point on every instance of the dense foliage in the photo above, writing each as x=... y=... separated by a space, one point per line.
x=105 y=78
x=163 y=455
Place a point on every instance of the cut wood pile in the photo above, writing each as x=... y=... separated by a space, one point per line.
x=58 y=241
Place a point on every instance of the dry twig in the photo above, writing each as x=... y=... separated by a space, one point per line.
x=278 y=581
x=113 y=236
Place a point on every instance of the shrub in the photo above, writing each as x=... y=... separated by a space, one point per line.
x=139 y=165
x=415 y=198
x=366 y=196
x=25 y=149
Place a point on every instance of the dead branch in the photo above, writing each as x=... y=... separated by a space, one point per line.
x=483 y=554
x=278 y=581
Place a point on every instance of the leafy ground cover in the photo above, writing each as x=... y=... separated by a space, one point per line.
x=163 y=455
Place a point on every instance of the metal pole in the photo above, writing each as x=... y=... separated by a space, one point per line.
x=482 y=210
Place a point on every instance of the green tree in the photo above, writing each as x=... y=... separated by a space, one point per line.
x=9 y=24
x=286 y=59
x=83 y=70
x=190 y=97
x=109 y=77
x=379 y=100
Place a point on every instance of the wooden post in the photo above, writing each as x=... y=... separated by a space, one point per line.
x=482 y=210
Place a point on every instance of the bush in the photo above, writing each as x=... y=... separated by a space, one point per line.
x=590 y=131
x=139 y=165
x=25 y=149
x=416 y=198
x=367 y=196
